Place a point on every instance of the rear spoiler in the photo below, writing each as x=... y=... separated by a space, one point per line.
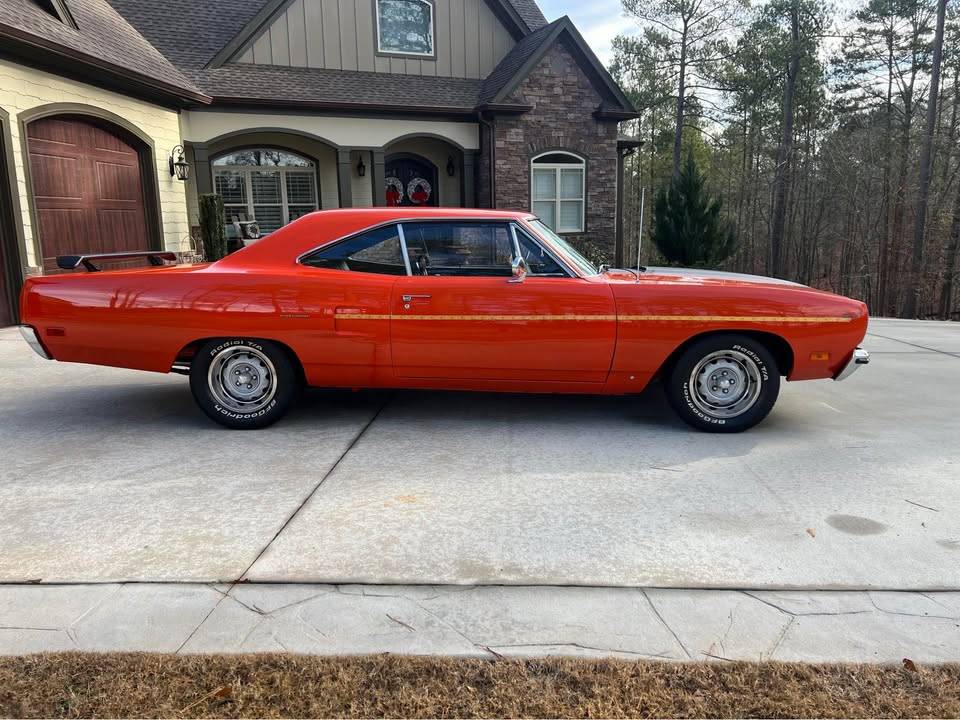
x=72 y=262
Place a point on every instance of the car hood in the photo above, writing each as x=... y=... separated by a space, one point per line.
x=697 y=276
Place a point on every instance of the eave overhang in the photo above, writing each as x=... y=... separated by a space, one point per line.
x=504 y=108
x=602 y=113
x=62 y=60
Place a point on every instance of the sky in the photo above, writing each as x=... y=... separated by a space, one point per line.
x=599 y=21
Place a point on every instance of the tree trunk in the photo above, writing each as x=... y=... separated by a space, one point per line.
x=681 y=91
x=886 y=234
x=912 y=304
x=951 y=258
x=785 y=149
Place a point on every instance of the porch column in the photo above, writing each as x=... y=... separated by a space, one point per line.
x=344 y=176
x=201 y=170
x=379 y=178
x=468 y=191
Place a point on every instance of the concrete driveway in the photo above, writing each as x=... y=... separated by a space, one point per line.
x=113 y=475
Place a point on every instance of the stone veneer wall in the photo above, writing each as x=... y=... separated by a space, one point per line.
x=563 y=100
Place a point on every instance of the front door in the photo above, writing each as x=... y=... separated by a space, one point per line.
x=460 y=316
x=343 y=306
x=410 y=181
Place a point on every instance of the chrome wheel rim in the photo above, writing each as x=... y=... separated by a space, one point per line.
x=725 y=384
x=242 y=379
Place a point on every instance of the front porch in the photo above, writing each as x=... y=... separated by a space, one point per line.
x=275 y=168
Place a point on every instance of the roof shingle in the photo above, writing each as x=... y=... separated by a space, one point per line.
x=258 y=83
x=102 y=36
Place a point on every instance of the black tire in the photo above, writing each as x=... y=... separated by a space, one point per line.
x=273 y=382
x=710 y=369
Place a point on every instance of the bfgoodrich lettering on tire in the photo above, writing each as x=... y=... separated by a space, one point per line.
x=724 y=383
x=243 y=383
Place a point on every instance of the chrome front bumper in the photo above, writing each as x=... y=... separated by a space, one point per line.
x=859 y=357
x=30 y=335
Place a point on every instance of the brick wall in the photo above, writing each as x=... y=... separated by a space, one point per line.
x=563 y=100
x=23 y=88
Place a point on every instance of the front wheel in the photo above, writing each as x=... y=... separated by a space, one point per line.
x=243 y=383
x=724 y=383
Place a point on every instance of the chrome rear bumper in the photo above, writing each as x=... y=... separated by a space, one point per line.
x=859 y=357
x=30 y=335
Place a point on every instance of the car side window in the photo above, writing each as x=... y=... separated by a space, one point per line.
x=473 y=249
x=539 y=261
x=375 y=251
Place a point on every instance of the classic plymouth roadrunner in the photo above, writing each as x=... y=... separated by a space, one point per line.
x=442 y=298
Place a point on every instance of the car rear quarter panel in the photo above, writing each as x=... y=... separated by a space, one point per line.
x=658 y=317
x=141 y=319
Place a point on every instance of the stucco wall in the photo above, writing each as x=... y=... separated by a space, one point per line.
x=24 y=89
x=203 y=126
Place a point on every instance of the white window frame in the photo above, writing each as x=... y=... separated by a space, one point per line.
x=407 y=53
x=580 y=164
x=247 y=172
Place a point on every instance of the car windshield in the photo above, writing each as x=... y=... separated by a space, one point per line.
x=569 y=253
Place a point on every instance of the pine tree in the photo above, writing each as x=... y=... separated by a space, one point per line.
x=688 y=229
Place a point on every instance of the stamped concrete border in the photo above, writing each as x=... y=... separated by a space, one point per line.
x=487 y=621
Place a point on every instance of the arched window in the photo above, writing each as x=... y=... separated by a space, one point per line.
x=405 y=27
x=557 y=181
x=268 y=185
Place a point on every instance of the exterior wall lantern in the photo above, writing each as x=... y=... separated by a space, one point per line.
x=179 y=167
x=361 y=168
x=451 y=168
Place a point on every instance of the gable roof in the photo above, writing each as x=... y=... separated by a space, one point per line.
x=519 y=16
x=189 y=32
x=530 y=13
x=98 y=45
x=527 y=53
x=195 y=34
x=198 y=36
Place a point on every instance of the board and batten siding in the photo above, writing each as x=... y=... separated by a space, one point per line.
x=341 y=35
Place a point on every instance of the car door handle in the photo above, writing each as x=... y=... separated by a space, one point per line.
x=408 y=298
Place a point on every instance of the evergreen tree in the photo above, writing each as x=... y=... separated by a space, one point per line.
x=688 y=229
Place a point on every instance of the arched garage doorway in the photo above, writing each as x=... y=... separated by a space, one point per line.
x=91 y=186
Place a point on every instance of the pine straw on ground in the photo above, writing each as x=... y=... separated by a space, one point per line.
x=142 y=685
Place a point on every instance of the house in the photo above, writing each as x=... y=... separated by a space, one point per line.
x=286 y=106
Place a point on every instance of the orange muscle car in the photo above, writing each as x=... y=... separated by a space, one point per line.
x=442 y=298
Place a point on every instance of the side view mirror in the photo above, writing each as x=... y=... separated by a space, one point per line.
x=519 y=270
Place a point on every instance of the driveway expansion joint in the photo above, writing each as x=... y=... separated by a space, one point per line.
x=309 y=496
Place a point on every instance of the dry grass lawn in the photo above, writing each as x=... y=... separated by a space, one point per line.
x=140 y=685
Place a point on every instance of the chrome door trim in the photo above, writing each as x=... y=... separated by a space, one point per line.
x=403 y=248
x=549 y=250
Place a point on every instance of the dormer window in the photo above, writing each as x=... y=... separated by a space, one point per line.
x=405 y=27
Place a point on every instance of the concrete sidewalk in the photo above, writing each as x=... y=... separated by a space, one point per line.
x=684 y=625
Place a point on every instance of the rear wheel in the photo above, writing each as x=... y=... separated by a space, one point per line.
x=724 y=383
x=243 y=383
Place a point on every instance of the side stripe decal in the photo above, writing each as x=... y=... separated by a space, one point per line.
x=604 y=318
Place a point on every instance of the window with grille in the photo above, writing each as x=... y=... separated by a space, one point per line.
x=557 y=182
x=268 y=185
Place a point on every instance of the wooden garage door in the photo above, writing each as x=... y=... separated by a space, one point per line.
x=87 y=189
